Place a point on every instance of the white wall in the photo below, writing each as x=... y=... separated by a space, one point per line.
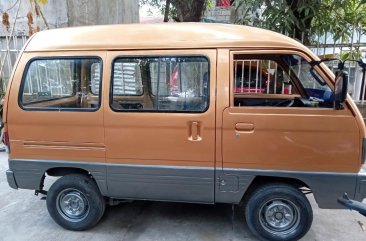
x=55 y=12
x=92 y=12
x=64 y=13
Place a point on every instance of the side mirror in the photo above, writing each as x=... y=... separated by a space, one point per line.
x=340 y=91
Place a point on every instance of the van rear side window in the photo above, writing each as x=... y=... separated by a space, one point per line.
x=62 y=84
x=160 y=84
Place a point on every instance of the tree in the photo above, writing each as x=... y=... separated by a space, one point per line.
x=341 y=18
x=302 y=18
x=167 y=10
x=189 y=10
x=285 y=16
x=180 y=10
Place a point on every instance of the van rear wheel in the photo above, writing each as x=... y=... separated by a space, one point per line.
x=75 y=203
x=278 y=212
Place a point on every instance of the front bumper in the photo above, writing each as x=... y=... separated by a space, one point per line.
x=11 y=179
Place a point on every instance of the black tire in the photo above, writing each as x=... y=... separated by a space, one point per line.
x=278 y=212
x=75 y=202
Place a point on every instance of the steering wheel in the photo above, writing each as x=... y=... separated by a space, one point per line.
x=285 y=103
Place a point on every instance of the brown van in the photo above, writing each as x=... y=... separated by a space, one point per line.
x=200 y=113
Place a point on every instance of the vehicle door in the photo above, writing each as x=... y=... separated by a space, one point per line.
x=281 y=122
x=160 y=125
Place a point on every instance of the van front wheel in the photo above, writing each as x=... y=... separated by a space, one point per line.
x=278 y=212
x=75 y=203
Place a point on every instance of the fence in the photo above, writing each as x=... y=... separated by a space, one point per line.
x=9 y=51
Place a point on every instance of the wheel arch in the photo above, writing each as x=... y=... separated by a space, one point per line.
x=259 y=181
x=62 y=171
x=30 y=174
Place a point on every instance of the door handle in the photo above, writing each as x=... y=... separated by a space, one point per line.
x=194 y=131
x=244 y=127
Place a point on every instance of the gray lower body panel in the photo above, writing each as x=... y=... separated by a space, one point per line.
x=166 y=183
x=187 y=184
x=183 y=184
x=230 y=187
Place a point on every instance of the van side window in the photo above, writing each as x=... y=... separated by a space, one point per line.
x=163 y=84
x=278 y=81
x=62 y=84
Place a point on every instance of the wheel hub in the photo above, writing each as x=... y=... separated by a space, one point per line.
x=279 y=216
x=72 y=205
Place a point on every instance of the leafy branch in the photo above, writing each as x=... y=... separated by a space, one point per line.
x=304 y=19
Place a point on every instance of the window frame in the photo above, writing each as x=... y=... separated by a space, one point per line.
x=158 y=56
x=90 y=87
x=60 y=109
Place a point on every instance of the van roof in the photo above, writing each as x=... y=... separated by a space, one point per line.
x=157 y=36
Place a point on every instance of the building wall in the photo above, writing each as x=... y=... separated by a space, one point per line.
x=93 y=12
x=67 y=13
x=219 y=14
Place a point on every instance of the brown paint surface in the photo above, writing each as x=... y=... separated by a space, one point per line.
x=296 y=139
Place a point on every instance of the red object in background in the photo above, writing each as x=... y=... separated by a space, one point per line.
x=223 y=3
x=174 y=82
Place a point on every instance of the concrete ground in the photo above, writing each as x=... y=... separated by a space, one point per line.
x=24 y=216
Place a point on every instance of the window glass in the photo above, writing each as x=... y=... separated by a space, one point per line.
x=62 y=83
x=278 y=81
x=316 y=88
x=171 y=84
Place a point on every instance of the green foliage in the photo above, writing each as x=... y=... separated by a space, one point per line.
x=248 y=12
x=281 y=16
x=351 y=54
x=340 y=18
